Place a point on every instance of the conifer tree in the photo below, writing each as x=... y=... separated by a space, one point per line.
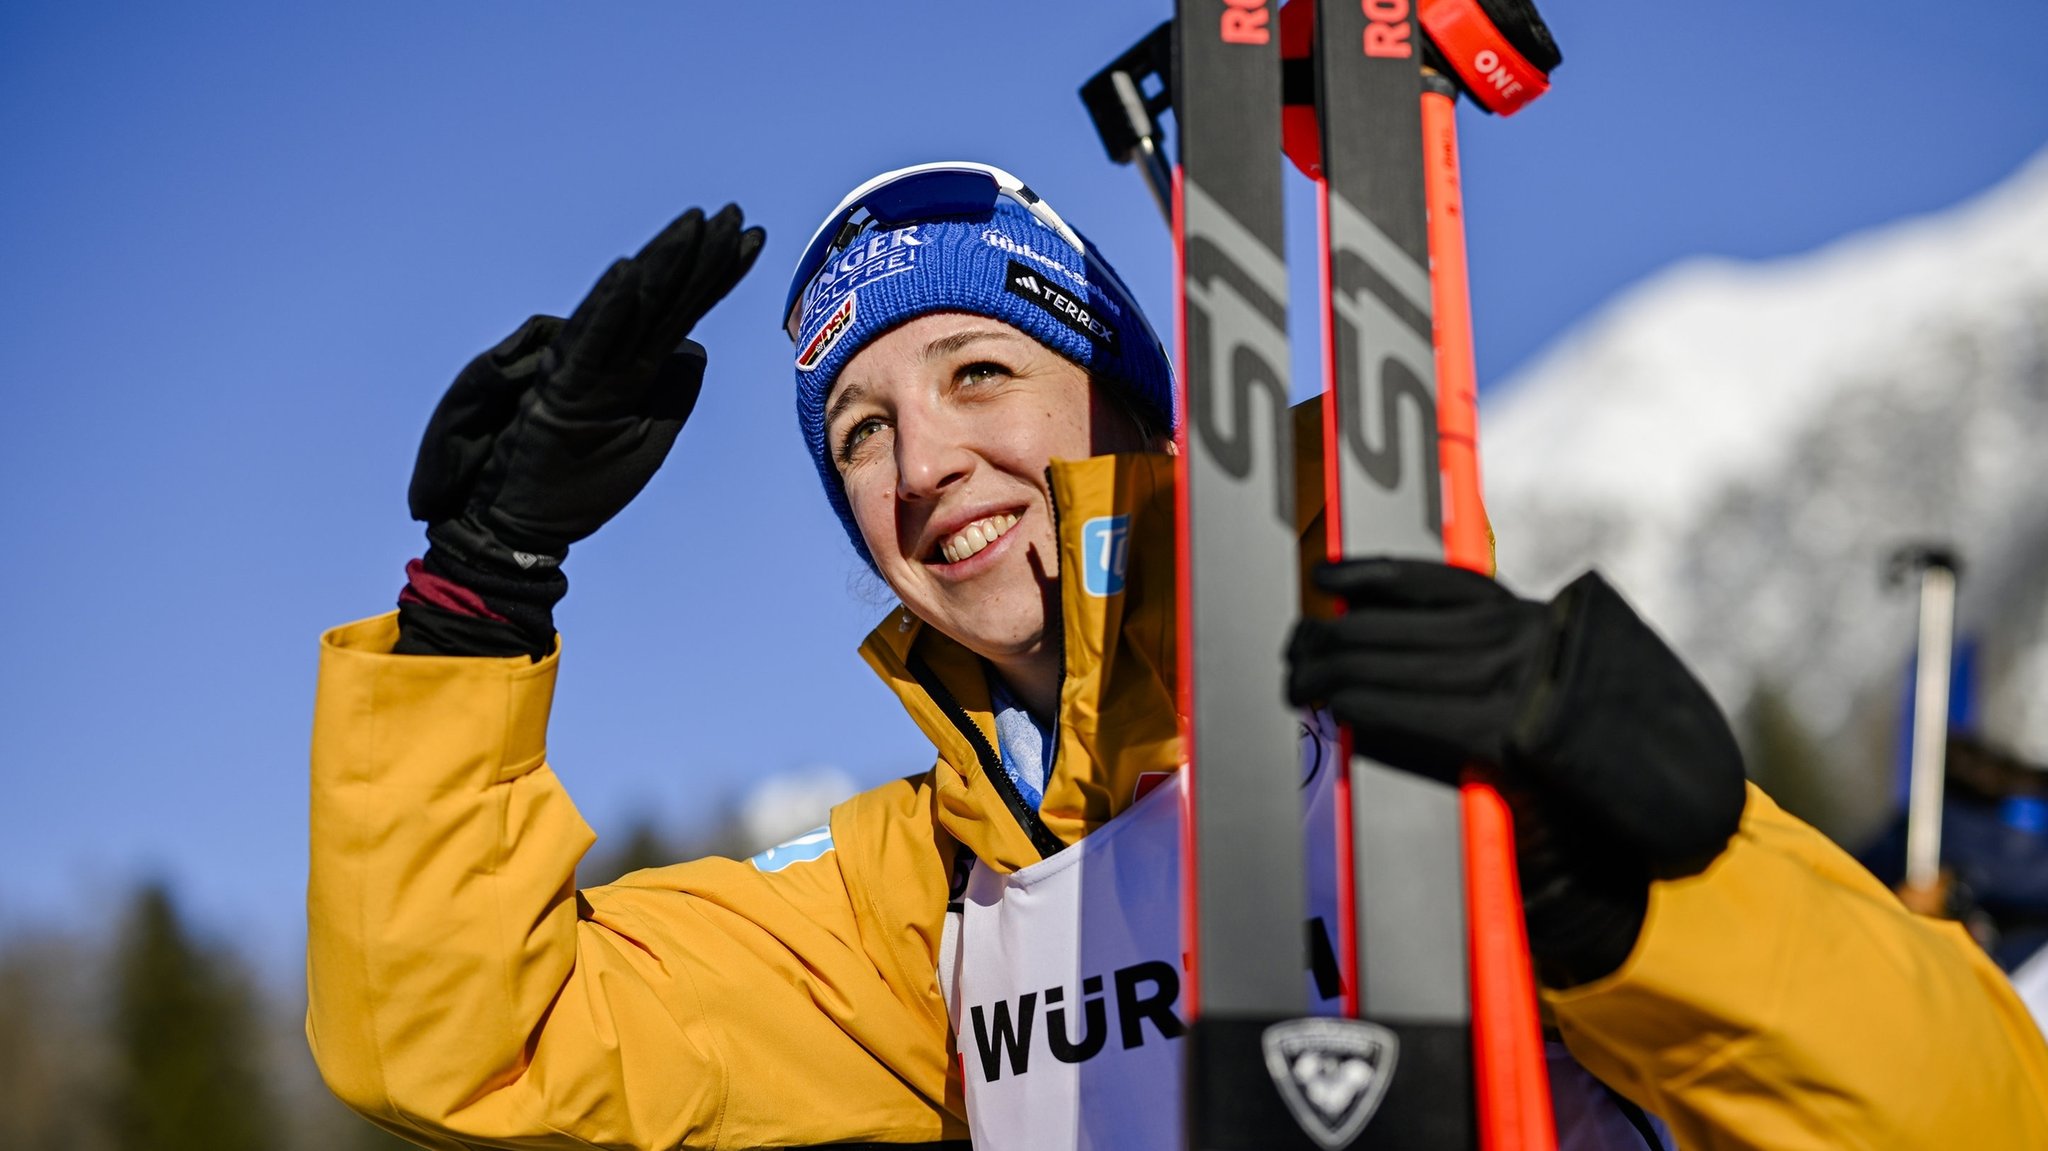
x=187 y=1038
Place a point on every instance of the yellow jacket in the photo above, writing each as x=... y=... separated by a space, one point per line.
x=464 y=994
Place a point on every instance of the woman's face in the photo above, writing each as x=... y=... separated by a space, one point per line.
x=942 y=430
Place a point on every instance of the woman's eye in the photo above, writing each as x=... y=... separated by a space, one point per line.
x=981 y=372
x=856 y=435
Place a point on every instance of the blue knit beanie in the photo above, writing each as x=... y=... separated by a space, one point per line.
x=1002 y=263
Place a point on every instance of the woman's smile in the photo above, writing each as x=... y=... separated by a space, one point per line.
x=976 y=537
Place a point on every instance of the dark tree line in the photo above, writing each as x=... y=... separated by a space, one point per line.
x=155 y=1038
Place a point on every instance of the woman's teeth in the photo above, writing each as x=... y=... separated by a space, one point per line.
x=975 y=536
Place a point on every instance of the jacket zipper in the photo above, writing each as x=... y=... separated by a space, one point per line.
x=1041 y=836
x=1052 y=507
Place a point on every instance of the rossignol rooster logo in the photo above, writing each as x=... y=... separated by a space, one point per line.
x=1332 y=1073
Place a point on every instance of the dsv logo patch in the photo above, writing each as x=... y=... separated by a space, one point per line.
x=1023 y=280
x=835 y=326
x=1004 y=1031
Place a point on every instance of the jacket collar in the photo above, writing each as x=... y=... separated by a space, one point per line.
x=1118 y=721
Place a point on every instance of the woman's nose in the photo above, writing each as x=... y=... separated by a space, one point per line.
x=932 y=454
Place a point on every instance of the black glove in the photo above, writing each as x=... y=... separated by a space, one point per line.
x=1619 y=764
x=547 y=436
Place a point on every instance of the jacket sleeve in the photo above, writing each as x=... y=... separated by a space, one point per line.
x=463 y=993
x=1784 y=999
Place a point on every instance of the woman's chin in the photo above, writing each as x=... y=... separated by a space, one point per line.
x=997 y=635
x=1004 y=615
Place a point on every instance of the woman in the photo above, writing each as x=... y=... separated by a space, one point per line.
x=977 y=389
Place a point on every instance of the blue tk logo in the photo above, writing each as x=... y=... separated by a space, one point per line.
x=1105 y=554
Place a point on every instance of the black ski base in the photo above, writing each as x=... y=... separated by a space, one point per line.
x=1232 y=1101
x=1430 y=1105
x=1419 y=1097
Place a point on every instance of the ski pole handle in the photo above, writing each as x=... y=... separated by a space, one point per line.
x=1127 y=119
x=1936 y=568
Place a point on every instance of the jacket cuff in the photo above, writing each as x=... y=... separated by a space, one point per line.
x=400 y=714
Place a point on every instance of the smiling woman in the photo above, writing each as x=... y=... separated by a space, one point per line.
x=942 y=432
x=957 y=337
x=951 y=954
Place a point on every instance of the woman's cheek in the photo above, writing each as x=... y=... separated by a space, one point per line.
x=873 y=514
x=1049 y=545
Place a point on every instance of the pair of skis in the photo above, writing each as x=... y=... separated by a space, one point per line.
x=1439 y=1048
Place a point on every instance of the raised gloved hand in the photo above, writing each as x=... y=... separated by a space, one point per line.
x=1618 y=763
x=548 y=435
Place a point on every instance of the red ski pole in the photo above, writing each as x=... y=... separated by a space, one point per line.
x=1511 y=1078
x=1507 y=1041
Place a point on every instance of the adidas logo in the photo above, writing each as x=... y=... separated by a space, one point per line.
x=1060 y=305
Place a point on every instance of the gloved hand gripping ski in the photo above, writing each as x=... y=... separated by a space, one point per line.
x=1619 y=764
x=543 y=439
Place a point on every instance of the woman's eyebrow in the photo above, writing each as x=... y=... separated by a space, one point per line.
x=851 y=395
x=948 y=344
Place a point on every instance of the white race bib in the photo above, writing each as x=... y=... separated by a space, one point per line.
x=1064 y=979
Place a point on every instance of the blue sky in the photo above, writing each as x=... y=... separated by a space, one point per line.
x=243 y=247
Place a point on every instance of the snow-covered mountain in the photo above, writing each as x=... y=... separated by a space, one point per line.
x=791 y=803
x=1741 y=445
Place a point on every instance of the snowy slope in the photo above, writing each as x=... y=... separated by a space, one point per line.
x=1739 y=446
